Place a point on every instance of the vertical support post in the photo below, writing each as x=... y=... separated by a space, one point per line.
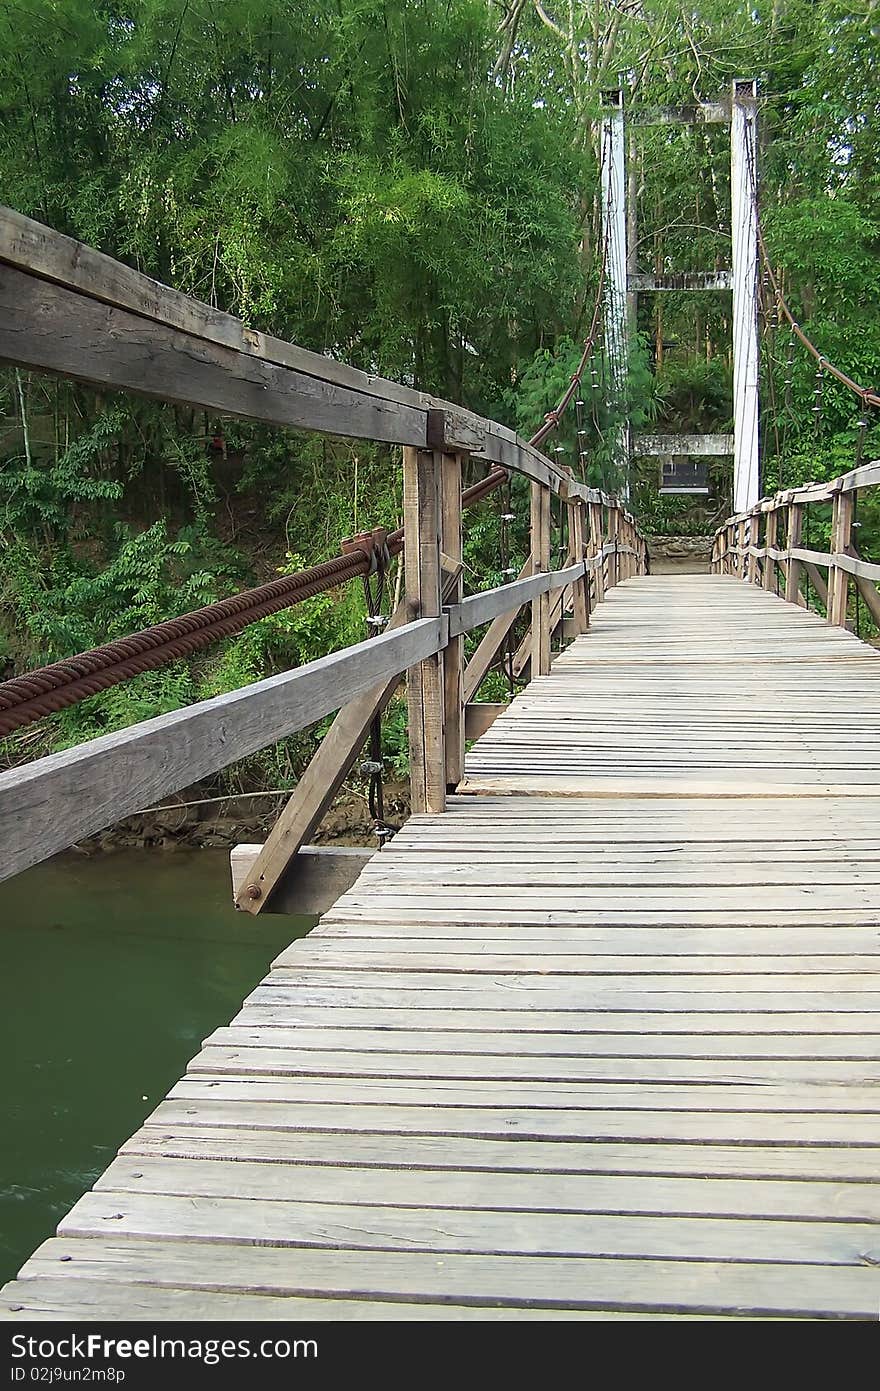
x=742 y=568
x=424 y=682
x=769 y=577
x=841 y=538
x=744 y=228
x=597 y=541
x=453 y=656
x=793 y=567
x=540 y=531
x=614 y=535
x=613 y=183
x=580 y=590
x=754 y=535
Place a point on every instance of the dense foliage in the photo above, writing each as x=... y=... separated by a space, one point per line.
x=411 y=186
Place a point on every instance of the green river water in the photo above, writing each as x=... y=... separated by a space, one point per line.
x=112 y=971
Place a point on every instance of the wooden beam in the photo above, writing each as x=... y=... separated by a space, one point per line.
x=424 y=682
x=699 y=445
x=700 y=113
x=483 y=657
x=522 y=658
x=330 y=765
x=540 y=533
x=754 y=542
x=792 y=567
x=769 y=576
x=43 y=806
x=689 y=280
x=818 y=582
x=613 y=570
x=314 y=880
x=580 y=590
x=480 y=716
x=67 y=308
x=477 y=609
x=868 y=591
x=742 y=542
x=453 y=657
x=838 y=576
x=50 y=328
x=597 y=542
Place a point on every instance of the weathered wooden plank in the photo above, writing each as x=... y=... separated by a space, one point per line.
x=544 y=1282
x=498 y=1157
x=540 y=604
x=633 y=1030
x=270 y=1059
x=357 y=1226
x=97 y=1300
x=717 y=444
x=780 y=1097
x=425 y=695
x=688 y=280
x=51 y=328
x=317 y=877
x=251 y=1181
x=729 y=1126
x=489 y=644
x=287 y=1012
x=481 y=608
x=42 y=806
x=453 y=656
x=548 y=1049
x=210 y=358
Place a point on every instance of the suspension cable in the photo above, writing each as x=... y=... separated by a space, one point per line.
x=868 y=395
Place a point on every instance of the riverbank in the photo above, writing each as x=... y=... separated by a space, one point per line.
x=197 y=820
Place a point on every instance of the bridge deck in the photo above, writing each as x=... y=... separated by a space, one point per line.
x=601 y=1042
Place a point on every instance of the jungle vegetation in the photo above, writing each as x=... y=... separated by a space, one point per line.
x=411 y=186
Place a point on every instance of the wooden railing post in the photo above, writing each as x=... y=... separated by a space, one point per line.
x=792 y=568
x=614 y=535
x=453 y=657
x=769 y=576
x=580 y=590
x=841 y=539
x=597 y=541
x=540 y=533
x=754 y=533
x=425 y=696
x=740 y=559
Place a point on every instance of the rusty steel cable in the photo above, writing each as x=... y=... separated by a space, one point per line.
x=869 y=396
x=50 y=689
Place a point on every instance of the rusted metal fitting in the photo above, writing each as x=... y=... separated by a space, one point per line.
x=373 y=544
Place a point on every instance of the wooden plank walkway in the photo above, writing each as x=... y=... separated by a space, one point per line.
x=602 y=1042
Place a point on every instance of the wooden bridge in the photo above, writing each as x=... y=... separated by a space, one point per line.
x=600 y=1041
x=596 y=1034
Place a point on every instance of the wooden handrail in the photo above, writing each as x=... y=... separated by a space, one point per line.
x=69 y=309
x=48 y=804
x=737 y=549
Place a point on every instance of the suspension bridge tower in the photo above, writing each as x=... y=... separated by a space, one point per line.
x=681 y=454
